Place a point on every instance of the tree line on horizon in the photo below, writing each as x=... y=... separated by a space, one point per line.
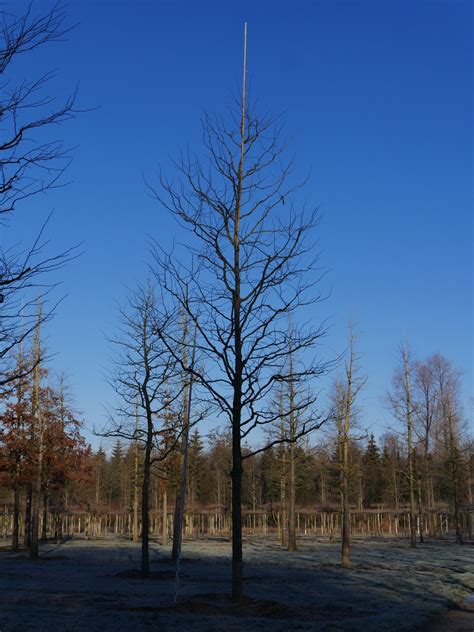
x=77 y=480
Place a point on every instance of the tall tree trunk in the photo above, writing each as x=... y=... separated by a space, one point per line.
x=136 y=485
x=454 y=463
x=411 y=478
x=183 y=452
x=283 y=503
x=349 y=395
x=237 y=470
x=176 y=520
x=420 y=512
x=292 y=512
x=346 y=532
x=145 y=503
x=292 y=546
x=237 y=558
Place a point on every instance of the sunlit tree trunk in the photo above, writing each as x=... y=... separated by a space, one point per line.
x=409 y=425
x=346 y=517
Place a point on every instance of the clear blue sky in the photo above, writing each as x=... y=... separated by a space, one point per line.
x=377 y=97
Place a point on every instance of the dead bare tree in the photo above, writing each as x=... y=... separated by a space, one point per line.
x=253 y=266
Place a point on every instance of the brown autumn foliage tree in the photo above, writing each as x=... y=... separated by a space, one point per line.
x=64 y=456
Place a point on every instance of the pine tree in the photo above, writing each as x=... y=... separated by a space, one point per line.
x=372 y=474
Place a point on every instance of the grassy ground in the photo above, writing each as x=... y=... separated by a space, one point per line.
x=95 y=585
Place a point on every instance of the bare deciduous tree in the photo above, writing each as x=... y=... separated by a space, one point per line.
x=447 y=383
x=145 y=379
x=401 y=403
x=254 y=265
x=345 y=392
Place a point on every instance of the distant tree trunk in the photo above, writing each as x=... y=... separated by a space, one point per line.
x=349 y=393
x=44 y=521
x=16 y=518
x=97 y=488
x=409 y=421
x=454 y=465
x=346 y=532
x=292 y=546
x=420 y=513
x=360 y=501
x=165 y=514
x=58 y=528
x=395 y=484
x=176 y=522
x=37 y=414
x=322 y=480
x=283 y=504
x=27 y=535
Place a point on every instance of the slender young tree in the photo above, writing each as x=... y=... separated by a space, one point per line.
x=183 y=449
x=253 y=267
x=345 y=393
x=293 y=431
x=293 y=415
x=447 y=381
x=283 y=470
x=145 y=373
x=401 y=404
x=425 y=406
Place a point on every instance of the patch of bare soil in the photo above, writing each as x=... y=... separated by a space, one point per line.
x=222 y=605
x=135 y=573
x=458 y=620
